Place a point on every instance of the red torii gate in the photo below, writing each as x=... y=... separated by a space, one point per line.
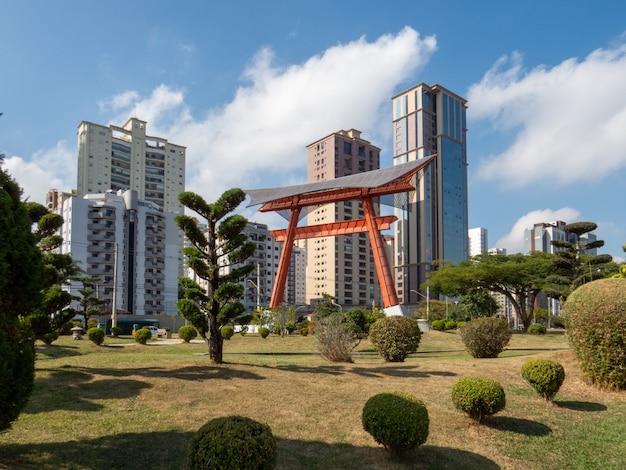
x=362 y=186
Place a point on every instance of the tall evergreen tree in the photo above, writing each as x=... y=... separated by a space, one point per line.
x=222 y=245
x=21 y=281
x=572 y=265
x=46 y=322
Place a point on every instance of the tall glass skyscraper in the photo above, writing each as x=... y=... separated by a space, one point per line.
x=433 y=222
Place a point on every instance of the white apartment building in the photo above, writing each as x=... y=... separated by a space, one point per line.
x=121 y=158
x=478 y=241
x=132 y=245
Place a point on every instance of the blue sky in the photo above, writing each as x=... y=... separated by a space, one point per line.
x=246 y=85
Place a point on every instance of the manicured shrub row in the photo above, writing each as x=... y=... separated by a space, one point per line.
x=187 y=333
x=595 y=323
x=232 y=442
x=394 y=338
x=478 y=397
x=396 y=420
x=96 y=335
x=544 y=375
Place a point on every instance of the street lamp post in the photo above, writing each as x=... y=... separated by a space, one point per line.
x=427 y=297
x=258 y=295
x=337 y=305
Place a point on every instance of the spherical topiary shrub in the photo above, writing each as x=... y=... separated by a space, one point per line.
x=96 y=335
x=486 y=336
x=595 y=324
x=395 y=337
x=544 y=375
x=396 y=420
x=264 y=332
x=450 y=325
x=233 y=442
x=116 y=331
x=478 y=397
x=142 y=335
x=438 y=325
x=227 y=331
x=537 y=329
x=187 y=333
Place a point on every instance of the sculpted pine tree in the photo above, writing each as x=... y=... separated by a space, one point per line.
x=47 y=321
x=21 y=281
x=572 y=264
x=222 y=246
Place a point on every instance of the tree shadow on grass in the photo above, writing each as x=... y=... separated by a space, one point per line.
x=580 y=405
x=518 y=425
x=153 y=450
x=75 y=391
x=55 y=351
x=314 y=455
x=168 y=450
x=409 y=371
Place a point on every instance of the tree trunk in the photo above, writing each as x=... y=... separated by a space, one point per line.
x=216 y=342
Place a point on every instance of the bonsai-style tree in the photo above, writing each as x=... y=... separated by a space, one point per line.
x=216 y=255
x=88 y=299
x=573 y=266
x=47 y=321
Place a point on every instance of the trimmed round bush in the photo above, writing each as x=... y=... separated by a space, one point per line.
x=397 y=420
x=116 y=331
x=394 y=338
x=233 y=442
x=438 y=325
x=595 y=324
x=96 y=335
x=304 y=330
x=187 y=333
x=478 y=397
x=227 y=331
x=264 y=332
x=544 y=375
x=142 y=335
x=537 y=329
x=485 y=336
x=450 y=325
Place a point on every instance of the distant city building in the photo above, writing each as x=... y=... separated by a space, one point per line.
x=341 y=266
x=55 y=199
x=433 y=223
x=121 y=158
x=133 y=246
x=478 y=241
x=541 y=235
x=296 y=278
x=496 y=251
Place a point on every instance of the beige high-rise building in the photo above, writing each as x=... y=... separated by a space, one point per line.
x=341 y=266
x=122 y=158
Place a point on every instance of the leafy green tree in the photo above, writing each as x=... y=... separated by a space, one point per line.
x=88 y=300
x=520 y=278
x=436 y=310
x=21 y=282
x=622 y=268
x=222 y=245
x=47 y=321
x=326 y=307
x=476 y=303
x=573 y=266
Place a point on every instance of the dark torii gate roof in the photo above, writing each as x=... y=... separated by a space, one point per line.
x=395 y=179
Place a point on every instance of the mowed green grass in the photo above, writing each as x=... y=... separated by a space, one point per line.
x=126 y=406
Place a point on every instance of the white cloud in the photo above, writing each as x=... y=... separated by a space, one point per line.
x=47 y=169
x=568 y=120
x=258 y=139
x=514 y=240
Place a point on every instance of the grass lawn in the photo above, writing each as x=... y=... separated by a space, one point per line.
x=126 y=406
